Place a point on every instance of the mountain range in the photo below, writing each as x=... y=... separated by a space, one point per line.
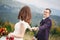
x=9 y=12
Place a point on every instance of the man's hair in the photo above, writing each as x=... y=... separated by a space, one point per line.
x=48 y=9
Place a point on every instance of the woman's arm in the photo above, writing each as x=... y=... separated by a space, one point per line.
x=30 y=29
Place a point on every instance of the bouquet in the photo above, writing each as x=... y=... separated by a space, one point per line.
x=9 y=38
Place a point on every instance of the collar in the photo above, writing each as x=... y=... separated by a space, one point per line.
x=45 y=18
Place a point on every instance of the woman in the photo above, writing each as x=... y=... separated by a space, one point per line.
x=21 y=26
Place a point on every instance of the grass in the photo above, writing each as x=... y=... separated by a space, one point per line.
x=28 y=36
x=54 y=37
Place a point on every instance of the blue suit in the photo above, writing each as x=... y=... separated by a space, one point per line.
x=44 y=29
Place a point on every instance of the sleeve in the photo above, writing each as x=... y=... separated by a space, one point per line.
x=46 y=25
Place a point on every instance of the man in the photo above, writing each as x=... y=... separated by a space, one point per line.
x=45 y=26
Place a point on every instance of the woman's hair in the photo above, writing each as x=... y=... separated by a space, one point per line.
x=25 y=14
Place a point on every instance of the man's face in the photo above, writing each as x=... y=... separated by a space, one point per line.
x=46 y=13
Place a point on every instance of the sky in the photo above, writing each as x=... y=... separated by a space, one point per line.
x=42 y=3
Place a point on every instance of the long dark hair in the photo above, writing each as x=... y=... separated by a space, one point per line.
x=25 y=14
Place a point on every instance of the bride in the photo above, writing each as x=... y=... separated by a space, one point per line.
x=21 y=26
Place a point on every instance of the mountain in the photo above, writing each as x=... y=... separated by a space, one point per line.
x=36 y=18
x=55 y=12
x=9 y=12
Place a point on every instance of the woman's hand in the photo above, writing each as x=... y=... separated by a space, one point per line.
x=34 y=28
x=10 y=35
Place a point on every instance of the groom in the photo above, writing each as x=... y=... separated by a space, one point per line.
x=45 y=26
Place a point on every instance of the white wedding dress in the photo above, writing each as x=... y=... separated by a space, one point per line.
x=17 y=29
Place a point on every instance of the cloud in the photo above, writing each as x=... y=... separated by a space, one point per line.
x=42 y=3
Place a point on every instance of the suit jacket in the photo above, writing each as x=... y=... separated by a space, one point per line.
x=44 y=29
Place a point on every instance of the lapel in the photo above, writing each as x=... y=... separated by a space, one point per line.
x=43 y=21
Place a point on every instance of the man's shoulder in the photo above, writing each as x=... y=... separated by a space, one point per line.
x=48 y=19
